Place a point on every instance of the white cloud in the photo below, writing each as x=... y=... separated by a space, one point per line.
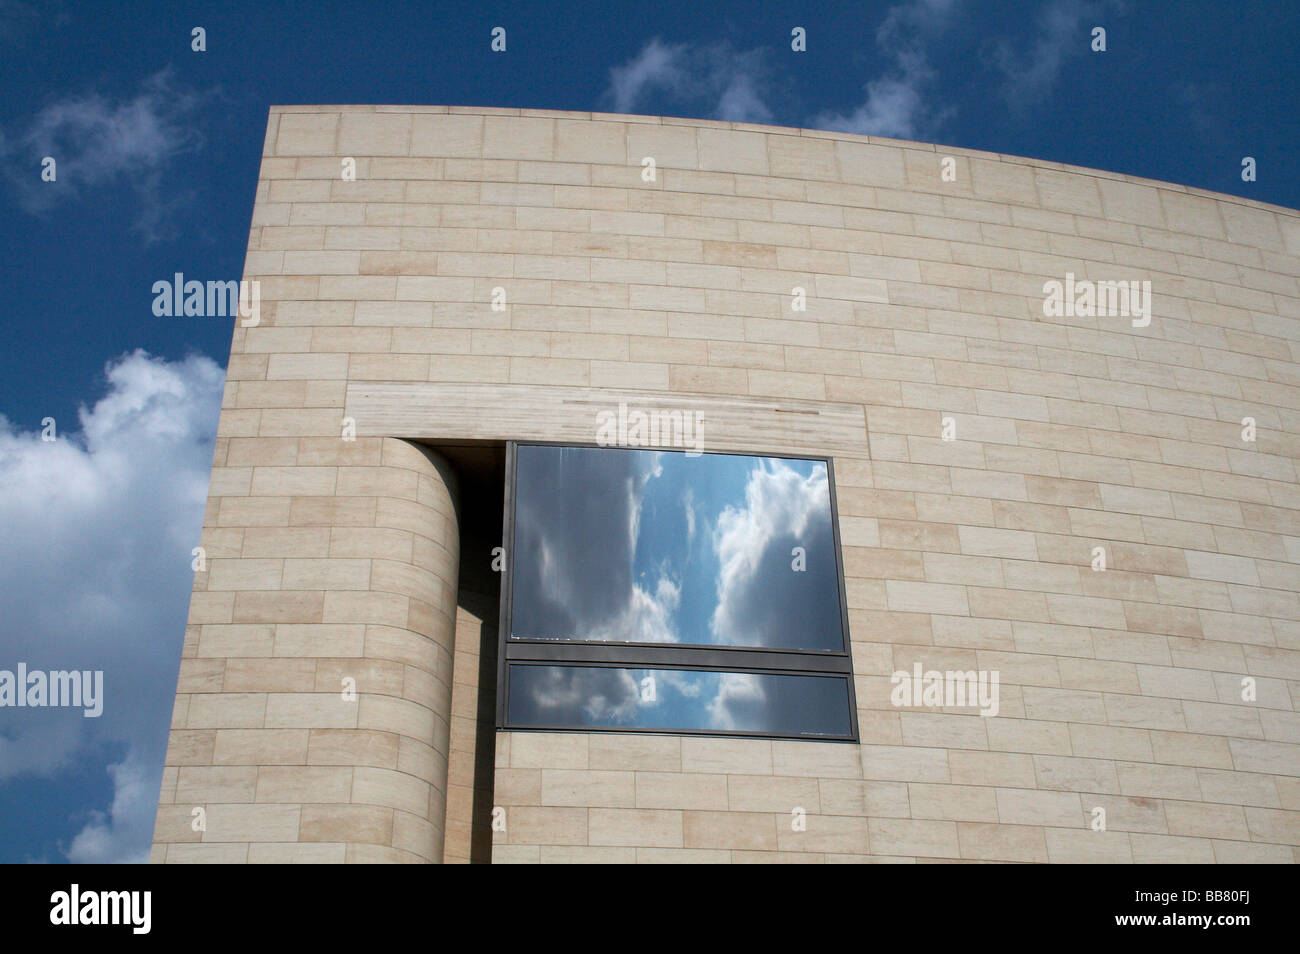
x=1063 y=32
x=96 y=530
x=648 y=617
x=740 y=696
x=894 y=107
x=657 y=66
x=741 y=99
x=122 y=835
x=781 y=508
x=688 y=505
x=604 y=693
x=97 y=141
x=728 y=84
x=897 y=102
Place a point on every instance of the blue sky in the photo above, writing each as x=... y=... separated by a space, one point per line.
x=158 y=149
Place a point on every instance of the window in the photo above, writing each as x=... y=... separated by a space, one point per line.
x=650 y=590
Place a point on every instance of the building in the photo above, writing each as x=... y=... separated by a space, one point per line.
x=1049 y=482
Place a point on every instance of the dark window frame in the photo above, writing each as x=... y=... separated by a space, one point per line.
x=525 y=651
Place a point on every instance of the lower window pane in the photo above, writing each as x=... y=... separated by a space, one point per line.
x=606 y=697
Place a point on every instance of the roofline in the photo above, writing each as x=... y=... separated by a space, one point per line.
x=788 y=131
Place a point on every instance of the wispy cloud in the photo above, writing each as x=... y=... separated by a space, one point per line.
x=97 y=141
x=725 y=83
x=899 y=103
x=895 y=105
x=1062 y=32
x=1203 y=103
x=96 y=530
x=122 y=834
x=21 y=21
x=656 y=67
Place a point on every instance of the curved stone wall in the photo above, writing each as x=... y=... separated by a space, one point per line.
x=808 y=293
x=312 y=716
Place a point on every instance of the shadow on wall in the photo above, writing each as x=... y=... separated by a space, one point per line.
x=480 y=472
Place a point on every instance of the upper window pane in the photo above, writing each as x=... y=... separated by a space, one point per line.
x=642 y=546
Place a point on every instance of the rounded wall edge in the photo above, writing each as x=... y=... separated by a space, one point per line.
x=342 y=757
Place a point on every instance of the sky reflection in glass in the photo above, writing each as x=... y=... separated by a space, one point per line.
x=642 y=546
x=582 y=697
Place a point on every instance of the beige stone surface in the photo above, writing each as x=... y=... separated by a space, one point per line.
x=1121 y=689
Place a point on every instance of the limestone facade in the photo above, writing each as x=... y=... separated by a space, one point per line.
x=1162 y=689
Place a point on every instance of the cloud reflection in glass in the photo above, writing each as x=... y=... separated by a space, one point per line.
x=639 y=546
x=640 y=578
x=679 y=700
